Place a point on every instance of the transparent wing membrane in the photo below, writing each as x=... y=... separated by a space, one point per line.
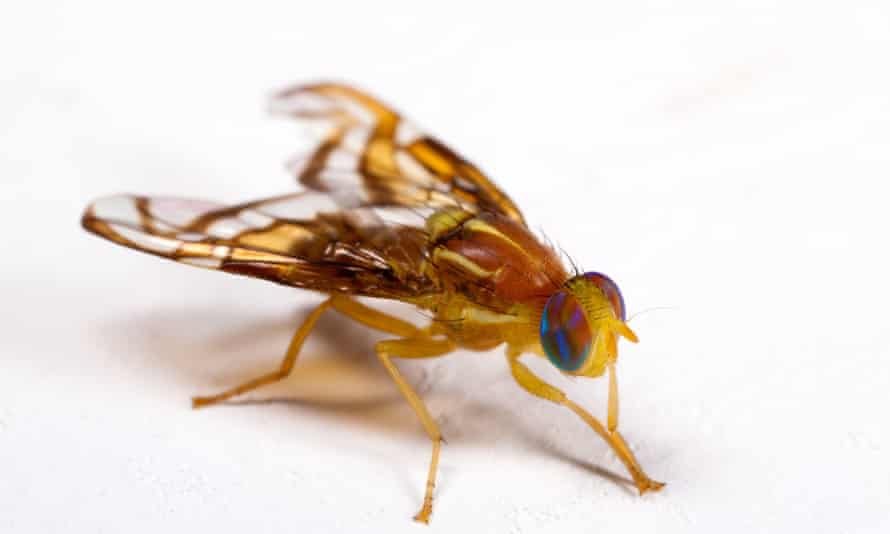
x=289 y=240
x=368 y=155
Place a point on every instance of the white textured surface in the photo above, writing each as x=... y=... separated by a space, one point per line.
x=729 y=163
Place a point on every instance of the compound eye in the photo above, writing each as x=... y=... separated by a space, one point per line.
x=565 y=333
x=610 y=290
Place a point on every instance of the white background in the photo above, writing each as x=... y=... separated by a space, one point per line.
x=730 y=164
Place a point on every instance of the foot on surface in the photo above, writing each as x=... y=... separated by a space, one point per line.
x=200 y=402
x=648 y=485
x=423 y=516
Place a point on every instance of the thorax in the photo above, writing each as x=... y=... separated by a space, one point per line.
x=494 y=276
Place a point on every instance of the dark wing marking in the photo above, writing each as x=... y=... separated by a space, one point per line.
x=290 y=240
x=368 y=155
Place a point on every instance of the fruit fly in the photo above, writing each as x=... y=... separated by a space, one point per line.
x=390 y=212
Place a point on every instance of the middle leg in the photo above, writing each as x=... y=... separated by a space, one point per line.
x=414 y=343
x=418 y=348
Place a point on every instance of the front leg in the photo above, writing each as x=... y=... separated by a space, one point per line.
x=534 y=385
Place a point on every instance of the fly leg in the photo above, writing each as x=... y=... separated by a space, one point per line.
x=348 y=307
x=372 y=318
x=534 y=385
x=417 y=348
x=287 y=365
x=414 y=343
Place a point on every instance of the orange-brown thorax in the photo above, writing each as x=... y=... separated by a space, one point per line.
x=495 y=276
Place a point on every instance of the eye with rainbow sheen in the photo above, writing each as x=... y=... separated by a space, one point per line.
x=610 y=291
x=566 y=330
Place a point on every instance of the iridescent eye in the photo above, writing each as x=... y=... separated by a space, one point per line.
x=610 y=290
x=565 y=334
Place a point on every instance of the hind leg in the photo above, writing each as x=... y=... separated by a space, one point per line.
x=287 y=364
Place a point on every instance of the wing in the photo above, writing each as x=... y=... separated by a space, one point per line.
x=290 y=240
x=368 y=155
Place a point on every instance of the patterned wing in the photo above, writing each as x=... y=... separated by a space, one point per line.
x=369 y=155
x=290 y=240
